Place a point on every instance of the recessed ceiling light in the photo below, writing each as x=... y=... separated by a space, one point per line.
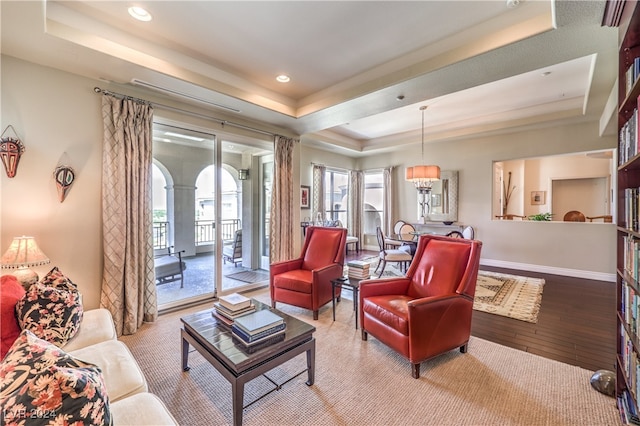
x=139 y=13
x=282 y=78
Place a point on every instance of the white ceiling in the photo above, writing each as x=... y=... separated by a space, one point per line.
x=478 y=64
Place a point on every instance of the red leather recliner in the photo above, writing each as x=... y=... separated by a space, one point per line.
x=427 y=312
x=306 y=281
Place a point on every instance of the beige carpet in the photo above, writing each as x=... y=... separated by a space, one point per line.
x=365 y=383
x=511 y=296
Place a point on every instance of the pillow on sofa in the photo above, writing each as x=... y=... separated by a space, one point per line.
x=51 y=309
x=10 y=292
x=40 y=381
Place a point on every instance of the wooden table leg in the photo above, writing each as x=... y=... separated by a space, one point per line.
x=185 y=353
x=237 y=392
x=311 y=363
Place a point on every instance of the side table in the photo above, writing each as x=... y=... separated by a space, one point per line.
x=352 y=284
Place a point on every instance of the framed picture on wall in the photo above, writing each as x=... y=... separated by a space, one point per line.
x=537 y=197
x=305 y=197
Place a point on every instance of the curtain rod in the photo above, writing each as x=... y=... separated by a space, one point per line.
x=183 y=111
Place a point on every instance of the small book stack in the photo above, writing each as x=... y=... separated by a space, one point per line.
x=358 y=269
x=232 y=306
x=260 y=327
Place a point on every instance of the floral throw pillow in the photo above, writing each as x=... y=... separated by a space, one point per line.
x=40 y=384
x=51 y=309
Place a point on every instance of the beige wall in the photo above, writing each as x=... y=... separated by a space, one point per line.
x=578 y=249
x=57 y=116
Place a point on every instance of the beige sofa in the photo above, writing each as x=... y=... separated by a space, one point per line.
x=130 y=401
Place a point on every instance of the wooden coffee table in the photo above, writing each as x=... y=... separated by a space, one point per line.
x=214 y=341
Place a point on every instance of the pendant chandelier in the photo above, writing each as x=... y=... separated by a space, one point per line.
x=423 y=176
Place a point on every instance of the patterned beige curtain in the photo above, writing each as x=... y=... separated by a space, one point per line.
x=281 y=232
x=388 y=204
x=319 y=209
x=355 y=216
x=128 y=287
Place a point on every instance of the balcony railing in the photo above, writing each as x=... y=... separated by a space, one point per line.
x=205 y=232
x=160 y=235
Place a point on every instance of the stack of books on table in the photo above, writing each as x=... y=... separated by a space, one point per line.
x=259 y=327
x=358 y=269
x=232 y=306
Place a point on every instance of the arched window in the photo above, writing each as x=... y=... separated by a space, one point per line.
x=205 y=204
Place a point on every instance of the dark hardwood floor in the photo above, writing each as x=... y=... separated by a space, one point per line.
x=576 y=324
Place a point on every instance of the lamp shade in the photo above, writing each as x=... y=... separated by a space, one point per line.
x=23 y=253
x=423 y=173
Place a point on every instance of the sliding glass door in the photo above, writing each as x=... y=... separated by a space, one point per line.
x=184 y=212
x=211 y=202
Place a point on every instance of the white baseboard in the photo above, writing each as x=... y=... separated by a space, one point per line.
x=577 y=273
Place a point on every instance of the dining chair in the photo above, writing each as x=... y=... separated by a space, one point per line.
x=394 y=243
x=350 y=238
x=467 y=233
x=402 y=256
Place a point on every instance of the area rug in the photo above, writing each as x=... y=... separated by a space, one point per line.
x=249 y=276
x=511 y=296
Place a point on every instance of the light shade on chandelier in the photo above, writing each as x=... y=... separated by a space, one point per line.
x=423 y=176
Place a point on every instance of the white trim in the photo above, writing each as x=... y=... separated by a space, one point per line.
x=590 y=275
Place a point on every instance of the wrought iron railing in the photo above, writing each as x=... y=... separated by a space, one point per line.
x=160 y=233
x=205 y=230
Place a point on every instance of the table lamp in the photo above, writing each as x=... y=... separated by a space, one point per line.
x=24 y=253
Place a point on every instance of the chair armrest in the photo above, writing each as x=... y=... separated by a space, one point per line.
x=327 y=273
x=382 y=286
x=452 y=312
x=284 y=266
x=438 y=307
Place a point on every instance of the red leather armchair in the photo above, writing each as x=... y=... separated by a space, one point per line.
x=306 y=281
x=427 y=312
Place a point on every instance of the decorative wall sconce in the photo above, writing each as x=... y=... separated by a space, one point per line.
x=64 y=176
x=11 y=149
x=243 y=174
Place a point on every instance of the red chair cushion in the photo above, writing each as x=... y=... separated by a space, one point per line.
x=390 y=310
x=10 y=292
x=296 y=280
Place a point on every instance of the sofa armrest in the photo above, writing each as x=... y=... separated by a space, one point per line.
x=96 y=327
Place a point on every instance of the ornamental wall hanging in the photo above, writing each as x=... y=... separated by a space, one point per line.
x=64 y=176
x=11 y=149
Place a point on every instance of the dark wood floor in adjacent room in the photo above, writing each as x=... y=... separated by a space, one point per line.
x=576 y=324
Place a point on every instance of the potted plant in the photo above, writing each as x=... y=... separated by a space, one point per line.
x=544 y=217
